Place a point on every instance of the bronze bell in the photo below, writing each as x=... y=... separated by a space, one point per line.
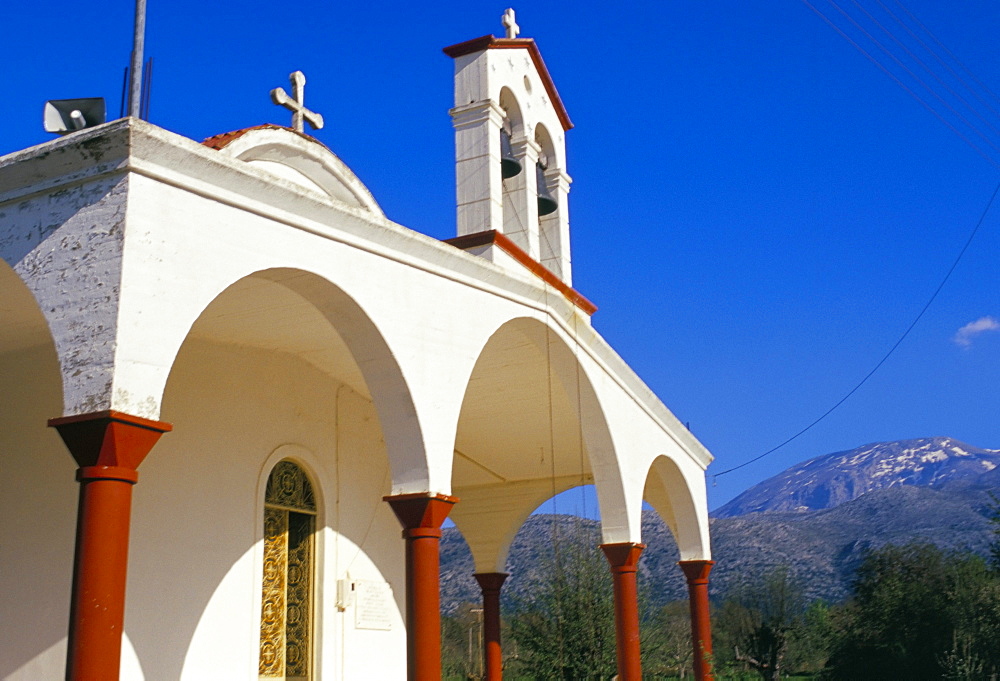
x=509 y=165
x=546 y=202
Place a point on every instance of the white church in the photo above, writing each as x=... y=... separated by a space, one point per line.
x=239 y=401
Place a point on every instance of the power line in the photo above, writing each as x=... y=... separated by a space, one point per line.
x=937 y=115
x=930 y=71
x=885 y=357
x=909 y=71
x=938 y=58
x=899 y=82
x=949 y=52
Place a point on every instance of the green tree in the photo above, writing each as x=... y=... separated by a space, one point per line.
x=993 y=512
x=666 y=642
x=756 y=623
x=461 y=643
x=809 y=643
x=564 y=625
x=917 y=614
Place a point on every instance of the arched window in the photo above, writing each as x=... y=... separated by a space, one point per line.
x=286 y=618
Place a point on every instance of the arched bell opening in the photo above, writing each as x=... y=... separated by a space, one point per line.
x=511 y=130
x=269 y=372
x=38 y=492
x=547 y=164
x=552 y=186
x=517 y=155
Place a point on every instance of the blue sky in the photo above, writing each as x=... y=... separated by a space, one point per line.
x=758 y=211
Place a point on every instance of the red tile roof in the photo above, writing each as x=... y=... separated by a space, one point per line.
x=220 y=141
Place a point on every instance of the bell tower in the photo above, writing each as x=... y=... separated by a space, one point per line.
x=510 y=147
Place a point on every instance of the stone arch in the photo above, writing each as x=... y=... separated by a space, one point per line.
x=375 y=372
x=23 y=325
x=66 y=253
x=668 y=491
x=287 y=366
x=531 y=423
x=38 y=493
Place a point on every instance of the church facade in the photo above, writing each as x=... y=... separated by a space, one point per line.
x=300 y=379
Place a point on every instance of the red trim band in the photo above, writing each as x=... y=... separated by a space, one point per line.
x=121 y=473
x=493 y=237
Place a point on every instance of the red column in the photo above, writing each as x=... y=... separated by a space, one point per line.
x=421 y=516
x=490 y=584
x=108 y=446
x=624 y=560
x=696 y=572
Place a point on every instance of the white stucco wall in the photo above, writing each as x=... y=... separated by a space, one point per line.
x=172 y=227
x=38 y=495
x=198 y=516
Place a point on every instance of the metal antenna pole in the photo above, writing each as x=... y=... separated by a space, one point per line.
x=138 y=43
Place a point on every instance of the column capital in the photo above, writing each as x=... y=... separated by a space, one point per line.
x=491 y=581
x=623 y=555
x=421 y=510
x=558 y=179
x=696 y=571
x=109 y=438
x=525 y=146
x=477 y=113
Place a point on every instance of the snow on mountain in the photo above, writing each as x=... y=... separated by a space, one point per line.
x=832 y=479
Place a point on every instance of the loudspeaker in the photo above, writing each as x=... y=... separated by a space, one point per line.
x=64 y=116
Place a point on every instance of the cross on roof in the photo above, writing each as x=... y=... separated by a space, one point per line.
x=508 y=22
x=296 y=103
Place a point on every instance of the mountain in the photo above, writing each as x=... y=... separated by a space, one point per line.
x=933 y=490
x=833 y=479
x=823 y=549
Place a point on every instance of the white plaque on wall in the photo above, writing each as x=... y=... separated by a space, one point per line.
x=373 y=605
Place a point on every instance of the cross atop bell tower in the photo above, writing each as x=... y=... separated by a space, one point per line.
x=509 y=23
x=510 y=160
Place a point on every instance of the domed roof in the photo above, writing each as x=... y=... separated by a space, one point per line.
x=299 y=159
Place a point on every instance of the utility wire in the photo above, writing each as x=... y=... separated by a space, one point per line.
x=972 y=235
x=909 y=71
x=938 y=58
x=919 y=99
x=932 y=73
x=885 y=357
x=901 y=84
x=929 y=49
x=945 y=48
